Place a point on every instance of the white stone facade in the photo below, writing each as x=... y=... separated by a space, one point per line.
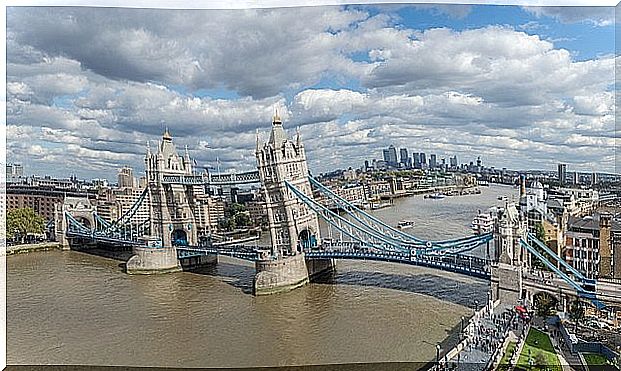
x=292 y=224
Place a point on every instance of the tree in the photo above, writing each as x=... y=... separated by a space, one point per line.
x=540 y=233
x=242 y=219
x=576 y=312
x=21 y=222
x=544 y=304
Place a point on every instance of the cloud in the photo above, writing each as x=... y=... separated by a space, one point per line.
x=596 y=15
x=87 y=87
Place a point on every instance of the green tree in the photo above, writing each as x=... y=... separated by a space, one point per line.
x=540 y=233
x=21 y=222
x=576 y=312
x=544 y=304
x=242 y=219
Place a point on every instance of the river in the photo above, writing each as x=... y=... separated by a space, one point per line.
x=66 y=307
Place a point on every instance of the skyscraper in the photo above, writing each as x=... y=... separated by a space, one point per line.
x=386 y=155
x=562 y=174
x=453 y=162
x=416 y=158
x=423 y=160
x=392 y=155
x=433 y=161
x=403 y=152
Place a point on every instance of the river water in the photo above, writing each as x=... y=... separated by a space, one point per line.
x=75 y=308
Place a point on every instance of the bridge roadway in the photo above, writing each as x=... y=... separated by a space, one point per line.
x=606 y=292
x=463 y=264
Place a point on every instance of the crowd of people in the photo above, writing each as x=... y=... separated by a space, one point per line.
x=483 y=338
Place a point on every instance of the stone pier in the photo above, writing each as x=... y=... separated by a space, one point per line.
x=287 y=273
x=193 y=262
x=153 y=260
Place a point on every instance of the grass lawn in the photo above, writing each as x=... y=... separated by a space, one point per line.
x=541 y=352
x=595 y=359
x=507 y=356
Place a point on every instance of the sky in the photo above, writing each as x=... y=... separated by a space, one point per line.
x=522 y=87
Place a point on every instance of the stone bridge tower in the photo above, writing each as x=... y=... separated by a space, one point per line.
x=510 y=257
x=293 y=225
x=178 y=208
x=171 y=211
x=81 y=209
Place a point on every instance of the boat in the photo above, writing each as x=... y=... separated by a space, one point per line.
x=436 y=196
x=483 y=223
x=380 y=205
x=405 y=224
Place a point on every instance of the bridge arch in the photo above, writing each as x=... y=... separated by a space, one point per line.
x=179 y=237
x=544 y=302
x=307 y=238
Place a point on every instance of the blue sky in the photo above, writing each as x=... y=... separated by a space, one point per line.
x=522 y=87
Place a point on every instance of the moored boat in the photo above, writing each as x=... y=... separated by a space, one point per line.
x=483 y=222
x=404 y=224
x=436 y=196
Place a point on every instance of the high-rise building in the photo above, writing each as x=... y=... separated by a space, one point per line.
x=126 y=177
x=386 y=155
x=453 y=161
x=403 y=152
x=423 y=160
x=575 y=178
x=392 y=155
x=562 y=174
x=433 y=161
x=416 y=159
x=594 y=178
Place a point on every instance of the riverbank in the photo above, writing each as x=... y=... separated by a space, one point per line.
x=30 y=247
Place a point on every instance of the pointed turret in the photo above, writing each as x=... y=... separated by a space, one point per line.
x=278 y=135
x=258 y=139
x=166 y=136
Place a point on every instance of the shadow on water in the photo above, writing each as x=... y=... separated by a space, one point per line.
x=238 y=276
x=442 y=288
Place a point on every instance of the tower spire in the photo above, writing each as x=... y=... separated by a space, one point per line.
x=167 y=135
x=276 y=119
x=257 y=135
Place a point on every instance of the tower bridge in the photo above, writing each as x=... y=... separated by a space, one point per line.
x=178 y=215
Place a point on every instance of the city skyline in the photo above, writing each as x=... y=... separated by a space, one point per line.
x=355 y=79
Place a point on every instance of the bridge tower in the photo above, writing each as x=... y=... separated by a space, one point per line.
x=176 y=209
x=510 y=257
x=81 y=209
x=293 y=226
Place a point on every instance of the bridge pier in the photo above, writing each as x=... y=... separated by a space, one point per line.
x=506 y=283
x=287 y=273
x=153 y=260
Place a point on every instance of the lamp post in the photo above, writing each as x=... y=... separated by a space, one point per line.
x=437 y=353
